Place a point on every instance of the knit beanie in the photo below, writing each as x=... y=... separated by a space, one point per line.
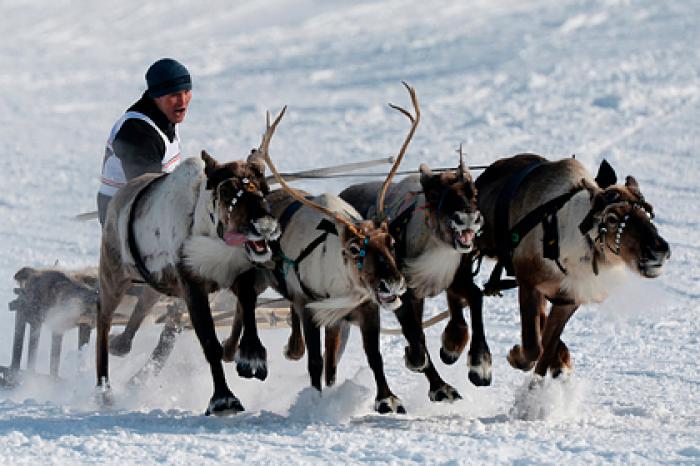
x=167 y=76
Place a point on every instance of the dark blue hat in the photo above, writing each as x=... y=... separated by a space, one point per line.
x=167 y=76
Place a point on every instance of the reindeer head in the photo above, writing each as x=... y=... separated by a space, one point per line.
x=451 y=199
x=369 y=249
x=623 y=220
x=239 y=208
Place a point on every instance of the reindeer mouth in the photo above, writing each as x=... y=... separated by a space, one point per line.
x=390 y=302
x=258 y=250
x=463 y=239
x=650 y=268
x=388 y=295
x=255 y=246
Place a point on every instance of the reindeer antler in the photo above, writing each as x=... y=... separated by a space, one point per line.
x=414 y=124
x=264 y=145
x=461 y=167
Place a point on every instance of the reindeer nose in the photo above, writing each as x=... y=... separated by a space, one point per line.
x=660 y=249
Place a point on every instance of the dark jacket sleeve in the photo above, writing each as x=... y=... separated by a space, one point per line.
x=139 y=147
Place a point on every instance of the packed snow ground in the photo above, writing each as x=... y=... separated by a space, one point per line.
x=614 y=79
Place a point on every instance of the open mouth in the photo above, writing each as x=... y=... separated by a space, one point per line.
x=389 y=301
x=256 y=247
x=464 y=239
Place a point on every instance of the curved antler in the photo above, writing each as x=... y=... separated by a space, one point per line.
x=414 y=123
x=462 y=168
x=264 y=145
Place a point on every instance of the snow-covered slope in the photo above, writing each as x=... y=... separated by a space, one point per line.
x=599 y=78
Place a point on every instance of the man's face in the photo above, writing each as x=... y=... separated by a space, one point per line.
x=174 y=106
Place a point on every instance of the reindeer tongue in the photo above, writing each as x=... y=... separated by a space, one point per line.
x=467 y=237
x=233 y=238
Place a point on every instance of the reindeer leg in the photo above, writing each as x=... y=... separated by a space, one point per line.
x=456 y=333
x=120 y=345
x=479 y=357
x=166 y=343
x=18 y=342
x=551 y=343
x=294 y=349
x=368 y=317
x=230 y=344
x=330 y=355
x=312 y=335
x=222 y=402
x=416 y=355
x=109 y=300
x=84 y=331
x=34 y=336
x=251 y=359
x=411 y=325
x=532 y=305
x=56 y=343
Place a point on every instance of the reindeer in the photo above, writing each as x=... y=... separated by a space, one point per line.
x=434 y=221
x=567 y=238
x=56 y=298
x=186 y=234
x=339 y=276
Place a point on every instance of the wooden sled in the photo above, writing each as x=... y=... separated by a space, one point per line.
x=39 y=305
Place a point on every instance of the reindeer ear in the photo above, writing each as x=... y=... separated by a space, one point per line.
x=606 y=175
x=632 y=185
x=425 y=173
x=210 y=165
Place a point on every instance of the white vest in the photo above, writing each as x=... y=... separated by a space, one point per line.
x=113 y=176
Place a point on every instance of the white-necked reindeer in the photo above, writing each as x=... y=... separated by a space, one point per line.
x=186 y=234
x=567 y=238
x=434 y=221
x=333 y=266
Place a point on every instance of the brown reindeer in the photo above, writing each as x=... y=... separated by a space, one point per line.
x=332 y=277
x=434 y=221
x=186 y=234
x=567 y=238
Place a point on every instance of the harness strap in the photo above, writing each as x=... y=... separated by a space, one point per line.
x=546 y=214
x=131 y=238
x=325 y=225
x=503 y=234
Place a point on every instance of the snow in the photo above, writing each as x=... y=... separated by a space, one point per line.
x=614 y=79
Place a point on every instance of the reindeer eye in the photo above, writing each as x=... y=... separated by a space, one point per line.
x=612 y=219
x=354 y=249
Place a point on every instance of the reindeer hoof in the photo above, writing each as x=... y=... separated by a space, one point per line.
x=103 y=395
x=390 y=404
x=518 y=361
x=448 y=357
x=119 y=345
x=230 y=347
x=251 y=360
x=445 y=393
x=416 y=363
x=293 y=352
x=224 y=406
x=480 y=369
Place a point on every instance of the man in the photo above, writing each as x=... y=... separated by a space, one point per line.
x=145 y=139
